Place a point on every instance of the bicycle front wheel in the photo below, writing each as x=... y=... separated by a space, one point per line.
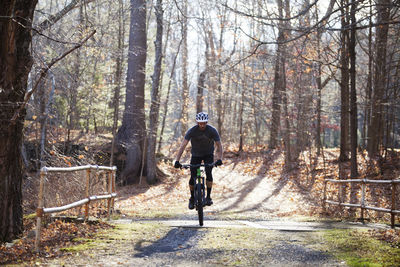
x=200 y=205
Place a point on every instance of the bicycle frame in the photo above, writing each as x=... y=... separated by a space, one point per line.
x=199 y=189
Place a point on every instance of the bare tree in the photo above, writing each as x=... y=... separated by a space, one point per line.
x=185 y=85
x=278 y=80
x=155 y=99
x=200 y=92
x=376 y=125
x=132 y=133
x=166 y=101
x=15 y=64
x=353 y=93
x=344 y=84
x=118 y=75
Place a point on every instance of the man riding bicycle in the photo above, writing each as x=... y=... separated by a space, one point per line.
x=202 y=138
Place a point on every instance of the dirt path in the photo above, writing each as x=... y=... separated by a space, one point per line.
x=259 y=218
x=155 y=243
x=253 y=189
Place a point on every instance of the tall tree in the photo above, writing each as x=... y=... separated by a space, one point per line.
x=200 y=92
x=353 y=93
x=132 y=133
x=185 y=85
x=344 y=83
x=118 y=74
x=278 y=79
x=155 y=99
x=15 y=64
x=166 y=102
x=375 y=129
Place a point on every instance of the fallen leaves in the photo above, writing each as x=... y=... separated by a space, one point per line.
x=55 y=235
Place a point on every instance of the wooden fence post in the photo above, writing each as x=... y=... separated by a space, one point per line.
x=113 y=185
x=363 y=186
x=324 y=198
x=392 y=214
x=39 y=210
x=109 y=191
x=87 y=193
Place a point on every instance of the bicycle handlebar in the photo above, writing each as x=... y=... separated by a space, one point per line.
x=187 y=166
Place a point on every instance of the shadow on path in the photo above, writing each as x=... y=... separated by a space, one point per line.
x=249 y=186
x=279 y=185
x=175 y=240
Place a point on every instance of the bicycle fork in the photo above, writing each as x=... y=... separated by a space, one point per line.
x=199 y=190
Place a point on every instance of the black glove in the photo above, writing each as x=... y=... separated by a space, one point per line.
x=177 y=165
x=218 y=163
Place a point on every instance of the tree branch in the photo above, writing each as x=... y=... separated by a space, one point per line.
x=43 y=74
x=56 y=17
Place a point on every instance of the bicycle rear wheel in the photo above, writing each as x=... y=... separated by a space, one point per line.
x=200 y=205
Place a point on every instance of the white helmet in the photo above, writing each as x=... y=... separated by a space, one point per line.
x=202 y=117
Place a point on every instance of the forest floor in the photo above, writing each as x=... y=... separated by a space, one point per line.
x=262 y=215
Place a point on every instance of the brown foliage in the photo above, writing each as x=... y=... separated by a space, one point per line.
x=56 y=235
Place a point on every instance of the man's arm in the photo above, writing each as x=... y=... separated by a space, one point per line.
x=219 y=150
x=181 y=149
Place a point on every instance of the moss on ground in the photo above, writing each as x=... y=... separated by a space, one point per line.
x=358 y=248
x=122 y=233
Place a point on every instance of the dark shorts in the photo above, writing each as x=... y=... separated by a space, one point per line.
x=198 y=160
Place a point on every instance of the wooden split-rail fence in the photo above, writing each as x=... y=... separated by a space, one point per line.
x=393 y=209
x=110 y=194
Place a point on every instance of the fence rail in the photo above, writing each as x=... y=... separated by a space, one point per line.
x=393 y=211
x=111 y=194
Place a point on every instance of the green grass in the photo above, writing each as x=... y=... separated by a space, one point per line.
x=30 y=216
x=85 y=245
x=119 y=235
x=358 y=248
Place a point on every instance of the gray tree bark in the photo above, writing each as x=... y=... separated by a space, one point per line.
x=118 y=76
x=185 y=86
x=376 y=125
x=344 y=87
x=353 y=93
x=132 y=132
x=155 y=99
x=277 y=91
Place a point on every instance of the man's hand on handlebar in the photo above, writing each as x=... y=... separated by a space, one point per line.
x=177 y=164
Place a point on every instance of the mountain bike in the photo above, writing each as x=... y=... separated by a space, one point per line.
x=199 y=188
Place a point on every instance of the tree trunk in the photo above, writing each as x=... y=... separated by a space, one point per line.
x=278 y=81
x=276 y=102
x=286 y=133
x=132 y=133
x=353 y=106
x=155 y=99
x=200 y=90
x=319 y=89
x=118 y=75
x=241 y=111
x=165 y=112
x=376 y=125
x=353 y=93
x=185 y=86
x=368 y=90
x=15 y=65
x=344 y=88
x=74 y=111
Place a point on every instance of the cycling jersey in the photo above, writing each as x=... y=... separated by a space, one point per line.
x=202 y=141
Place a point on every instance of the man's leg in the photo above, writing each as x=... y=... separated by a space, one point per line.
x=209 y=179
